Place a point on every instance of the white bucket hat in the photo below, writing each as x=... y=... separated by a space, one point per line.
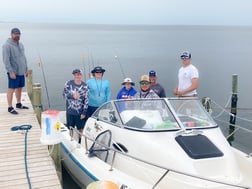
x=128 y=80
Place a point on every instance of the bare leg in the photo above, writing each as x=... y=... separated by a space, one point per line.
x=18 y=93
x=10 y=96
x=71 y=133
x=80 y=135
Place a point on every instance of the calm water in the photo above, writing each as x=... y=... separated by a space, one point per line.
x=218 y=52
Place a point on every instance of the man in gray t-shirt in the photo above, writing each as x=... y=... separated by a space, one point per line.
x=156 y=87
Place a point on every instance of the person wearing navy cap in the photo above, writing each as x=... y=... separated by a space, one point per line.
x=188 y=77
x=76 y=94
x=156 y=87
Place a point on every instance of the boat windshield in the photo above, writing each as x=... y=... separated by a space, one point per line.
x=191 y=113
x=147 y=114
x=155 y=114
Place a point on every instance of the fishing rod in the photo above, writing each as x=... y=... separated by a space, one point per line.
x=83 y=58
x=42 y=68
x=89 y=73
x=92 y=60
x=121 y=68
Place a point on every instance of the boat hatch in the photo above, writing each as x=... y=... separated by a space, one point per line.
x=198 y=146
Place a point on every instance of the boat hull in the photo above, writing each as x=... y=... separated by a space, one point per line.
x=85 y=170
x=76 y=170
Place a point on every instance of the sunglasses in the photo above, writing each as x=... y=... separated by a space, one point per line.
x=144 y=82
x=98 y=72
x=184 y=58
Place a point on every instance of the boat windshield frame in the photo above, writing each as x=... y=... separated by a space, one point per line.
x=156 y=114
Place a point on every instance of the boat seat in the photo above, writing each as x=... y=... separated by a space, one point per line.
x=100 y=147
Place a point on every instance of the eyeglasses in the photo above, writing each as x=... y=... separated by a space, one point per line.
x=144 y=82
x=98 y=72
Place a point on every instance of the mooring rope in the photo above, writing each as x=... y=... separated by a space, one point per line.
x=25 y=128
x=223 y=109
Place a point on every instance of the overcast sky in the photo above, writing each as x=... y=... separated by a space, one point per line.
x=167 y=12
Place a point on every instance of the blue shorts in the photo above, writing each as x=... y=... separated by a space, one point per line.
x=74 y=120
x=19 y=82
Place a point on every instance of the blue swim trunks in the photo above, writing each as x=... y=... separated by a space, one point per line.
x=19 y=82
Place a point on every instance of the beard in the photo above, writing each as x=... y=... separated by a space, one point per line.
x=145 y=90
x=16 y=38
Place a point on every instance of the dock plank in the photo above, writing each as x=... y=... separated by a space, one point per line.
x=42 y=172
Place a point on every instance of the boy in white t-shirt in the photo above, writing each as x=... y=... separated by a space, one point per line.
x=188 y=77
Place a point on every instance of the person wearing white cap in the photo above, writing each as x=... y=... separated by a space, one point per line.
x=128 y=90
x=188 y=77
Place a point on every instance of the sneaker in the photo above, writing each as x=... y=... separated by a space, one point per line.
x=20 y=106
x=12 y=110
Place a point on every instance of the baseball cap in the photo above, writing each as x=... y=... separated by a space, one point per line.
x=77 y=71
x=15 y=31
x=144 y=78
x=152 y=73
x=186 y=55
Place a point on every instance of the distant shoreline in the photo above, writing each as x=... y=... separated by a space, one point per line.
x=129 y=25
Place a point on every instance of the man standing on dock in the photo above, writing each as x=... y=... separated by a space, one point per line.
x=16 y=67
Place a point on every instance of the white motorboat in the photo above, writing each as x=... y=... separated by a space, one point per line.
x=155 y=143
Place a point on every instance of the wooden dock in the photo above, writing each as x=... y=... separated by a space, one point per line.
x=41 y=169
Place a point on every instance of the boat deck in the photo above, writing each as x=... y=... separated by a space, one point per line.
x=41 y=169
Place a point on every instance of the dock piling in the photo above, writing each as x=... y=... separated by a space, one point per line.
x=29 y=83
x=36 y=100
x=234 y=100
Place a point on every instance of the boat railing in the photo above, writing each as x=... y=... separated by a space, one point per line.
x=167 y=170
x=250 y=155
x=238 y=134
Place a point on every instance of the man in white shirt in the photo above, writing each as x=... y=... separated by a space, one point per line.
x=188 y=77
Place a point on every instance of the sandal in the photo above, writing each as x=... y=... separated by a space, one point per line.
x=12 y=110
x=20 y=106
